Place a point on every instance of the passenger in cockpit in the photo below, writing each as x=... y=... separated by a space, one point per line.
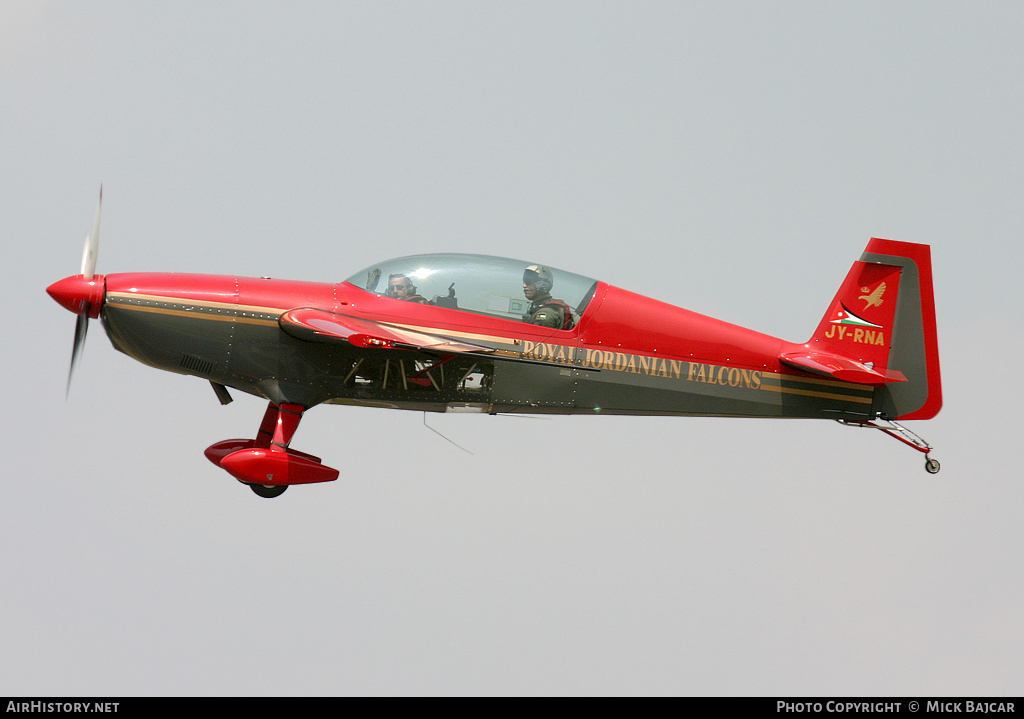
x=544 y=309
x=401 y=288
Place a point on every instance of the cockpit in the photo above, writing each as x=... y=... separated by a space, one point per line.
x=493 y=286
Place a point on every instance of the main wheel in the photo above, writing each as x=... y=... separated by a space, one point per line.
x=268 y=491
x=931 y=465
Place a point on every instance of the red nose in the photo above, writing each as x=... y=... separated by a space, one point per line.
x=75 y=292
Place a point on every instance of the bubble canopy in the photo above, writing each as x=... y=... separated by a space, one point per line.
x=474 y=283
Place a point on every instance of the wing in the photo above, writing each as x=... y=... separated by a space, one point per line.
x=311 y=324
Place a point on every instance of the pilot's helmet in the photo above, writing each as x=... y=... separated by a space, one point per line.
x=538 y=276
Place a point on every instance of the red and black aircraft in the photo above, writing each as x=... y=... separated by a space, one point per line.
x=480 y=345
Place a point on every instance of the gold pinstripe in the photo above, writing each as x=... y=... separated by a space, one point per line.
x=197 y=303
x=233 y=309
x=838 y=384
x=811 y=393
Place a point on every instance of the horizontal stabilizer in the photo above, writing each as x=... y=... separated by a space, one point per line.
x=841 y=368
x=311 y=324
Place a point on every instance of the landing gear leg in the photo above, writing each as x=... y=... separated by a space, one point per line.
x=275 y=433
x=898 y=431
x=288 y=417
x=266 y=431
x=268 y=464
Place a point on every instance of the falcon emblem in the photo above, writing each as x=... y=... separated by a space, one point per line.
x=873 y=299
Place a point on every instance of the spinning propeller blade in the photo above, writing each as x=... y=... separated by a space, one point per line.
x=82 y=294
x=92 y=243
x=81 y=329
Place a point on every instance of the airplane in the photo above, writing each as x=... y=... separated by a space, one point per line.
x=508 y=336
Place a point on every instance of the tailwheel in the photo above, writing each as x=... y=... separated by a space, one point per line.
x=268 y=491
x=904 y=435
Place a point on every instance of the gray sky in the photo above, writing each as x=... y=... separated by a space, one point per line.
x=732 y=158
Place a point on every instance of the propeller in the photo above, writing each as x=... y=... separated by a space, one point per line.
x=81 y=330
x=92 y=243
x=82 y=294
x=89 y=253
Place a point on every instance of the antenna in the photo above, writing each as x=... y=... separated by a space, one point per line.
x=442 y=436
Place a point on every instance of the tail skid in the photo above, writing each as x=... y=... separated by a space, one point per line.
x=901 y=433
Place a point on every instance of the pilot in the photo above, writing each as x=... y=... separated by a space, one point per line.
x=544 y=309
x=401 y=288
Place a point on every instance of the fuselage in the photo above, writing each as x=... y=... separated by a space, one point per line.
x=626 y=354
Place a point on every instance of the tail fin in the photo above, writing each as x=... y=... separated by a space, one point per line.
x=880 y=329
